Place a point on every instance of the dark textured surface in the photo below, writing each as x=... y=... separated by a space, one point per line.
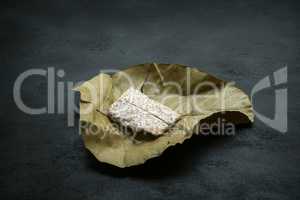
x=42 y=158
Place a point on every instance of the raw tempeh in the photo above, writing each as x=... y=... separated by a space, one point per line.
x=157 y=109
x=136 y=110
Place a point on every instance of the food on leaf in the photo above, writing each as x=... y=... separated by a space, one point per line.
x=192 y=96
x=140 y=113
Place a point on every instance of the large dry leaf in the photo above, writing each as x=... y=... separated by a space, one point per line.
x=175 y=86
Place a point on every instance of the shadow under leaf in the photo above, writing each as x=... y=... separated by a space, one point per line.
x=177 y=160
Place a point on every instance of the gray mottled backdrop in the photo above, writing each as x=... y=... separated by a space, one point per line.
x=42 y=158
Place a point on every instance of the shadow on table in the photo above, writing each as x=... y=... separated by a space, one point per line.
x=177 y=160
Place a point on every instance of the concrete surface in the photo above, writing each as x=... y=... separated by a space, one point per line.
x=42 y=158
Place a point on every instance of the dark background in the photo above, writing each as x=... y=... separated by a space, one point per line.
x=43 y=158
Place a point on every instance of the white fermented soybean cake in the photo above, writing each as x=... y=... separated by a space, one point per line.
x=138 y=111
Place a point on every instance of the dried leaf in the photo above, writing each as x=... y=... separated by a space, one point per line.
x=194 y=94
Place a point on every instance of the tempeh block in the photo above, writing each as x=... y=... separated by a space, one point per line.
x=138 y=111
